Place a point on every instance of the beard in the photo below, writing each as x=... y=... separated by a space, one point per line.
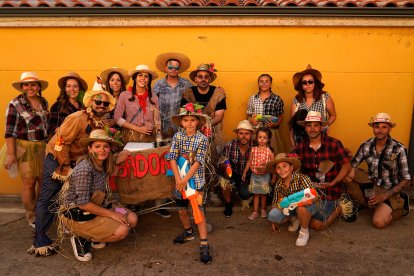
x=99 y=113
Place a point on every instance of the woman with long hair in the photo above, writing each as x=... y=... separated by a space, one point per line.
x=116 y=80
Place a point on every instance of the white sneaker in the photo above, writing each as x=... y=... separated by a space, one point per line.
x=81 y=249
x=294 y=224
x=303 y=237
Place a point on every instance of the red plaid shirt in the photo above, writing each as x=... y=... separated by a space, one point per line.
x=330 y=149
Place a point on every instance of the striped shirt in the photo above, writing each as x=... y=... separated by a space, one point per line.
x=299 y=182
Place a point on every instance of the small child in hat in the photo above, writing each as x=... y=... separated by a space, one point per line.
x=290 y=182
x=191 y=144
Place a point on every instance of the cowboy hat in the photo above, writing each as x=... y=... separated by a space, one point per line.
x=292 y=159
x=382 y=118
x=73 y=75
x=313 y=116
x=204 y=67
x=27 y=77
x=145 y=69
x=245 y=124
x=297 y=78
x=162 y=60
x=100 y=135
x=190 y=110
x=124 y=73
x=97 y=89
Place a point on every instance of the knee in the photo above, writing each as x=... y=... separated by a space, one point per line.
x=317 y=225
x=380 y=223
x=275 y=216
x=132 y=219
x=121 y=233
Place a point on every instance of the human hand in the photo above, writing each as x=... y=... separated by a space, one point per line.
x=180 y=185
x=269 y=124
x=145 y=129
x=274 y=227
x=221 y=89
x=244 y=177
x=122 y=156
x=376 y=199
x=10 y=159
x=121 y=218
x=253 y=121
x=323 y=185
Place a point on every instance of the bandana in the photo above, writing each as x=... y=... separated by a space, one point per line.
x=142 y=100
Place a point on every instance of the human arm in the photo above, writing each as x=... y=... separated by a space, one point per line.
x=343 y=172
x=292 y=139
x=54 y=119
x=11 y=152
x=379 y=198
x=182 y=183
x=218 y=117
x=100 y=211
x=251 y=116
x=247 y=167
x=330 y=107
x=274 y=125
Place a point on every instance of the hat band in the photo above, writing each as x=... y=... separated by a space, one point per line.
x=28 y=79
x=381 y=120
x=313 y=118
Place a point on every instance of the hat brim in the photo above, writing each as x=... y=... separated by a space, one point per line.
x=152 y=73
x=86 y=141
x=237 y=129
x=193 y=74
x=87 y=98
x=302 y=123
x=124 y=73
x=294 y=161
x=81 y=81
x=162 y=59
x=176 y=119
x=18 y=84
x=297 y=78
x=392 y=124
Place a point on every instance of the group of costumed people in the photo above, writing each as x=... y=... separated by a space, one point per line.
x=65 y=156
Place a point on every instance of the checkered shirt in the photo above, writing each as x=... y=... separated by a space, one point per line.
x=315 y=106
x=299 y=182
x=387 y=169
x=22 y=122
x=84 y=181
x=234 y=155
x=169 y=100
x=183 y=144
x=330 y=149
x=273 y=105
x=260 y=158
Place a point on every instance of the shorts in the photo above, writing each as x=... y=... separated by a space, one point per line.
x=276 y=215
x=326 y=208
x=259 y=184
x=182 y=204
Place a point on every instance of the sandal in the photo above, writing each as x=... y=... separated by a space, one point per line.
x=253 y=216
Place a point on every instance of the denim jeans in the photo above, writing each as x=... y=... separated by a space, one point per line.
x=277 y=216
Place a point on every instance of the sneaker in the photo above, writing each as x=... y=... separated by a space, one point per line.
x=205 y=256
x=98 y=245
x=294 y=224
x=81 y=248
x=32 y=224
x=263 y=214
x=228 y=210
x=406 y=206
x=253 y=216
x=303 y=237
x=163 y=213
x=184 y=237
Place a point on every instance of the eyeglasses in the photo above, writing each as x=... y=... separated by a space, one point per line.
x=205 y=77
x=99 y=102
x=176 y=68
x=307 y=82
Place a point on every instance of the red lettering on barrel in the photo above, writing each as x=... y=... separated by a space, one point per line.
x=138 y=159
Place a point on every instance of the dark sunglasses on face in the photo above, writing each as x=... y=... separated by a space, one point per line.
x=170 y=67
x=307 y=82
x=99 y=102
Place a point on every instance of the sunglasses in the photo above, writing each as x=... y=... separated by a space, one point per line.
x=205 y=77
x=99 y=102
x=176 y=68
x=307 y=82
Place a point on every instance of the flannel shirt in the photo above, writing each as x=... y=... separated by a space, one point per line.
x=273 y=105
x=84 y=181
x=23 y=122
x=169 y=100
x=183 y=144
x=330 y=149
x=259 y=159
x=386 y=169
x=237 y=159
x=57 y=117
x=299 y=182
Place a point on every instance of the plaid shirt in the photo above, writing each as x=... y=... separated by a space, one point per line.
x=388 y=168
x=330 y=149
x=25 y=123
x=319 y=106
x=299 y=182
x=260 y=158
x=234 y=155
x=57 y=117
x=273 y=105
x=183 y=144
x=84 y=181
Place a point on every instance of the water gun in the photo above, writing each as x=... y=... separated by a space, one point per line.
x=227 y=165
x=298 y=199
x=189 y=191
x=266 y=118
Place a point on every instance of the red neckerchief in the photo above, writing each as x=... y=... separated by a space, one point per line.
x=142 y=100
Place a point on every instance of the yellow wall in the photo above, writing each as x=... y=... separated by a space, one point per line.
x=366 y=69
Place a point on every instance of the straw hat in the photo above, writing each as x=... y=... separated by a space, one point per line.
x=97 y=89
x=292 y=159
x=99 y=135
x=297 y=78
x=204 y=67
x=27 y=77
x=313 y=116
x=73 y=75
x=162 y=60
x=145 y=69
x=190 y=109
x=382 y=118
x=245 y=124
x=124 y=73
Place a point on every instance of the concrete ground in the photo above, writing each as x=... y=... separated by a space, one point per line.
x=239 y=247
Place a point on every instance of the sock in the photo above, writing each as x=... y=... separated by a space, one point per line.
x=304 y=229
x=203 y=242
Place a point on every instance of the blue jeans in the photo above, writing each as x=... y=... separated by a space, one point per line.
x=277 y=216
x=241 y=187
x=45 y=203
x=326 y=208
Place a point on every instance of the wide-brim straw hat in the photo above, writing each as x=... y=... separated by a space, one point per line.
x=73 y=75
x=202 y=118
x=97 y=89
x=124 y=73
x=99 y=135
x=162 y=59
x=382 y=118
x=27 y=77
x=204 y=67
x=245 y=124
x=297 y=78
x=292 y=159
x=313 y=116
x=144 y=69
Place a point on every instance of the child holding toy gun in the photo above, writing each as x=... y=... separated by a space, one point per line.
x=291 y=182
x=190 y=143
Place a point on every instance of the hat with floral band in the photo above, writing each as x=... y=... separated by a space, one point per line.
x=382 y=118
x=313 y=116
x=190 y=109
x=291 y=158
x=109 y=135
x=98 y=88
x=27 y=77
x=204 y=67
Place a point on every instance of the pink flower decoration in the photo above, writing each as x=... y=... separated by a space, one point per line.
x=211 y=68
x=112 y=130
x=189 y=107
x=200 y=111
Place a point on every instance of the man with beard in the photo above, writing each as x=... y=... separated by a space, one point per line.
x=62 y=151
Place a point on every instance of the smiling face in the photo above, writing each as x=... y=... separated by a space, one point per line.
x=115 y=83
x=142 y=80
x=31 y=89
x=202 y=79
x=308 y=83
x=313 y=129
x=265 y=83
x=189 y=123
x=284 y=169
x=98 y=104
x=381 y=130
x=244 y=136
x=100 y=150
x=72 y=88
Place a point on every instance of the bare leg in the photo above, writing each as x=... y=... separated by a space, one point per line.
x=321 y=225
x=122 y=231
x=256 y=199
x=202 y=228
x=263 y=202
x=382 y=216
x=29 y=197
x=226 y=195
x=184 y=218
x=304 y=217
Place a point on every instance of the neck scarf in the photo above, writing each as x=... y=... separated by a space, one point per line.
x=142 y=100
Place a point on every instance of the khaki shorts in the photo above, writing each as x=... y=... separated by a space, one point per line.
x=395 y=202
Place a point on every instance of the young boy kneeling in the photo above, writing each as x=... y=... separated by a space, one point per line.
x=192 y=145
x=290 y=182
